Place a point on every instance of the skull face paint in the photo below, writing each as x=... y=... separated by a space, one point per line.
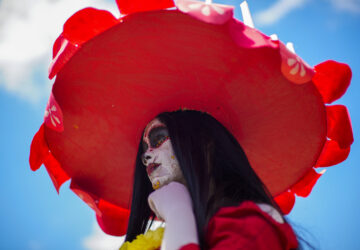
x=159 y=159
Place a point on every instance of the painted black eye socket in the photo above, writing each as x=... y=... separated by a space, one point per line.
x=157 y=136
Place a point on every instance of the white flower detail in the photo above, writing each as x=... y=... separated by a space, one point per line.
x=296 y=67
x=206 y=8
x=53 y=118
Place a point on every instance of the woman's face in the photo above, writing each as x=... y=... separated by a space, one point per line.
x=159 y=159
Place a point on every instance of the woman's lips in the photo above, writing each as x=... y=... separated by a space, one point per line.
x=151 y=167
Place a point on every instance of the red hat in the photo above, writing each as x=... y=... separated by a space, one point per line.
x=115 y=75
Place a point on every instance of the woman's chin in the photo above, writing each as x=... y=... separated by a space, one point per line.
x=161 y=181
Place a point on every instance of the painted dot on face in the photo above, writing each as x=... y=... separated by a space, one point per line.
x=156 y=185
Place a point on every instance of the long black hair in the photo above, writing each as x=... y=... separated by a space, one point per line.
x=215 y=167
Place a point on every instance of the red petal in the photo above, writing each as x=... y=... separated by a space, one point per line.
x=285 y=201
x=79 y=28
x=56 y=173
x=63 y=50
x=57 y=45
x=87 y=23
x=113 y=219
x=332 y=154
x=90 y=199
x=132 y=6
x=332 y=79
x=305 y=185
x=39 y=150
x=339 y=126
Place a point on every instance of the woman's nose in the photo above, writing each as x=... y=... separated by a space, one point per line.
x=146 y=158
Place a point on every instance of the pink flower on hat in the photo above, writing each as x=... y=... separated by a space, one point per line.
x=53 y=115
x=293 y=67
x=207 y=12
x=296 y=67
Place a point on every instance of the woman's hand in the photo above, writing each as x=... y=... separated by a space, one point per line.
x=169 y=199
x=172 y=203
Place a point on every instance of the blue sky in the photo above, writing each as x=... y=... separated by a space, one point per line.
x=33 y=216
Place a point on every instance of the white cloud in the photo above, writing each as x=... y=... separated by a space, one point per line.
x=20 y=79
x=98 y=240
x=281 y=8
x=347 y=5
x=277 y=11
x=27 y=32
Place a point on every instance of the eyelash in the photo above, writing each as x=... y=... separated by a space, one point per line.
x=161 y=141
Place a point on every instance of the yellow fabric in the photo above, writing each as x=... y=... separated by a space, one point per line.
x=151 y=240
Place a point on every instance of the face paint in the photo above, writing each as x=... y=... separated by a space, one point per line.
x=159 y=159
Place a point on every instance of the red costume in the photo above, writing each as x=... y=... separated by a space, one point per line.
x=247 y=227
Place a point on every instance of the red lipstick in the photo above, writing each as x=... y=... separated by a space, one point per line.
x=151 y=167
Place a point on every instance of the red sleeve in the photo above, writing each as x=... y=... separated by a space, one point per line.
x=246 y=227
x=191 y=246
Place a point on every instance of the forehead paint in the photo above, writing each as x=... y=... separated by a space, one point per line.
x=151 y=125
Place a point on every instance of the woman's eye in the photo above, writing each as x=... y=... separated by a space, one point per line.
x=157 y=136
x=160 y=141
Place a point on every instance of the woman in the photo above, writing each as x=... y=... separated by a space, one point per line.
x=194 y=149
x=114 y=75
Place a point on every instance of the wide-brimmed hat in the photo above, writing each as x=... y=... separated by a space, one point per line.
x=113 y=76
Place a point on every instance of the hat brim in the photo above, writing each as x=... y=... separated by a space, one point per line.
x=165 y=60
